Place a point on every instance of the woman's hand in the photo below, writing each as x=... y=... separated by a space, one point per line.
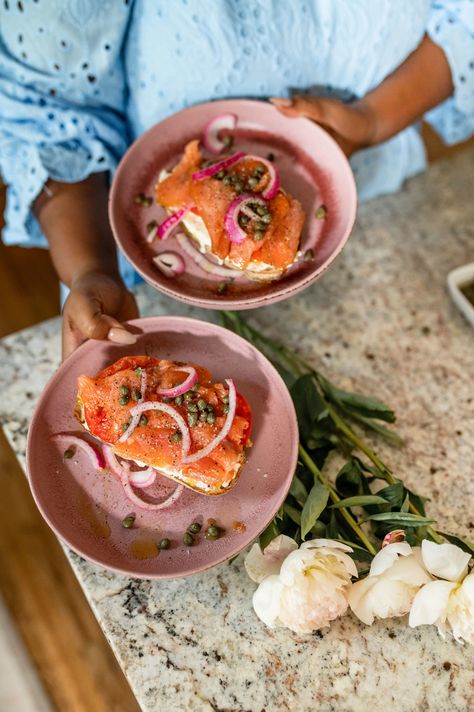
x=95 y=308
x=351 y=125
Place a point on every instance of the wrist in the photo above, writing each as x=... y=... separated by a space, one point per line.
x=90 y=273
x=369 y=120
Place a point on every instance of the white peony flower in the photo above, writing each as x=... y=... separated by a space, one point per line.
x=260 y=564
x=395 y=576
x=311 y=588
x=448 y=601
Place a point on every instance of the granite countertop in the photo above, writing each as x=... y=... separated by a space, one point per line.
x=380 y=321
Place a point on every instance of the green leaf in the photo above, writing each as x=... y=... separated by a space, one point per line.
x=298 y=491
x=418 y=501
x=359 y=501
x=314 y=505
x=359 y=553
x=406 y=504
x=268 y=535
x=391 y=435
x=293 y=513
x=308 y=404
x=319 y=529
x=464 y=544
x=333 y=528
x=351 y=481
x=393 y=494
x=410 y=520
x=356 y=402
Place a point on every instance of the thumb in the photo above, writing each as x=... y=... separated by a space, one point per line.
x=324 y=111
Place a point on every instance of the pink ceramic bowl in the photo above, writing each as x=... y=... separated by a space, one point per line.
x=312 y=168
x=85 y=508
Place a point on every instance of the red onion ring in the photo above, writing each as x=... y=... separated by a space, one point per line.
x=222 y=434
x=169 y=263
x=94 y=455
x=231 y=222
x=137 y=411
x=211 y=139
x=219 y=166
x=274 y=184
x=202 y=261
x=170 y=223
x=138 y=478
x=150 y=506
x=183 y=387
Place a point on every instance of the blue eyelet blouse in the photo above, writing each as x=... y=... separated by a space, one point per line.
x=80 y=79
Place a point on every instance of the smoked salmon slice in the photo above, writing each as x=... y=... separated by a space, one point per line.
x=272 y=238
x=105 y=407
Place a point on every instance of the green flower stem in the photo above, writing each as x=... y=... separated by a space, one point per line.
x=349 y=433
x=316 y=472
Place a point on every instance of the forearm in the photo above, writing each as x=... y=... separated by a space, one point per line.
x=73 y=217
x=419 y=84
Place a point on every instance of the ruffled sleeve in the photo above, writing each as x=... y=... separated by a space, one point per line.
x=62 y=97
x=451 y=26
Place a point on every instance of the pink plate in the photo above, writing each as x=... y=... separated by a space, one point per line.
x=312 y=168
x=85 y=507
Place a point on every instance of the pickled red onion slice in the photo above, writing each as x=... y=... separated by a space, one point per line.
x=168 y=225
x=137 y=411
x=222 y=434
x=202 y=261
x=94 y=455
x=211 y=139
x=219 y=166
x=183 y=387
x=231 y=222
x=273 y=186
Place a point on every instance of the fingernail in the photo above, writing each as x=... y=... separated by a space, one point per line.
x=121 y=336
x=279 y=101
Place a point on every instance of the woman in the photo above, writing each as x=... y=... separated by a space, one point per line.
x=79 y=82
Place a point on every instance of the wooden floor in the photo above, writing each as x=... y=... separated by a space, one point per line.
x=64 y=640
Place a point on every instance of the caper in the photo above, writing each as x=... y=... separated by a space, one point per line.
x=259 y=168
x=168 y=400
x=192 y=419
x=123 y=400
x=210 y=408
x=187 y=396
x=267 y=218
x=211 y=418
x=196 y=387
x=244 y=220
x=138 y=371
x=136 y=395
x=124 y=426
x=227 y=141
x=227 y=180
x=188 y=539
x=321 y=212
x=308 y=255
x=261 y=210
x=226 y=409
x=194 y=528
x=140 y=198
x=222 y=287
x=220 y=175
x=124 y=390
x=226 y=399
x=270 y=156
x=238 y=185
x=253 y=181
x=147 y=201
x=152 y=225
x=143 y=420
x=164 y=544
x=68 y=453
x=260 y=225
x=192 y=408
x=178 y=400
x=176 y=437
x=212 y=532
x=203 y=417
x=129 y=521
x=258 y=235
x=201 y=404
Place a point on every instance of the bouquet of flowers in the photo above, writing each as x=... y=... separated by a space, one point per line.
x=361 y=539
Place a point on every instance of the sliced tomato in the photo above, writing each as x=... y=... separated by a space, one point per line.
x=243 y=409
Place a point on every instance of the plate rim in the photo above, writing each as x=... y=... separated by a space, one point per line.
x=251 y=302
x=50 y=385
